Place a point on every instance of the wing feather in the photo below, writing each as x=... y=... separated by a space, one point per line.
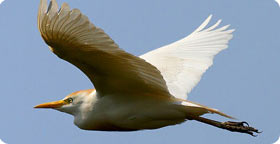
x=183 y=62
x=72 y=37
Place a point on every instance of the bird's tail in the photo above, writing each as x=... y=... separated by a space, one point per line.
x=195 y=109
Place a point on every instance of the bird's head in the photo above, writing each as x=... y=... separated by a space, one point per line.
x=72 y=103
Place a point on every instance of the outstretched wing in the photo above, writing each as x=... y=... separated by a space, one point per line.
x=183 y=62
x=72 y=37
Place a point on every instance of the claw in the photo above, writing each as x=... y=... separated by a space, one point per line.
x=242 y=127
x=245 y=123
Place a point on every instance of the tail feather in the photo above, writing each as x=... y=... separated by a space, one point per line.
x=198 y=109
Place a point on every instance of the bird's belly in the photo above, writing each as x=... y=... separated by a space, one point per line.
x=132 y=116
x=132 y=123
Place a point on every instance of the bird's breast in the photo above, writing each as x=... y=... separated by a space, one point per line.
x=128 y=115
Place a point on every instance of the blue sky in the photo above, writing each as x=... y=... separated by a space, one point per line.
x=243 y=82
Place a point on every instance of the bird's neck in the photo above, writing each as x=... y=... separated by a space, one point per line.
x=86 y=106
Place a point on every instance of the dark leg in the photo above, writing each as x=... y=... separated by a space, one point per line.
x=231 y=126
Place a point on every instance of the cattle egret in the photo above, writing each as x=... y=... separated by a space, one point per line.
x=132 y=93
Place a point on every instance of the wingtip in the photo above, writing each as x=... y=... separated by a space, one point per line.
x=41 y=11
x=43 y=6
x=214 y=26
x=204 y=24
x=232 y=30
x=210 y=16
x=53 y=6
x=208 y=19
x=65 y=6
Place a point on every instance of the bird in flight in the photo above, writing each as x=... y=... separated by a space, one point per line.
x=132 y=93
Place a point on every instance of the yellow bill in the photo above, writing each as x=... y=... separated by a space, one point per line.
x=54 y=104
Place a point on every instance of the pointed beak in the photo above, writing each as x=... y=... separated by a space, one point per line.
x=55 y=104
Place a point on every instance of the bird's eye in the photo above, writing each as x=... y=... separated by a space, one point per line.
x=69 y=100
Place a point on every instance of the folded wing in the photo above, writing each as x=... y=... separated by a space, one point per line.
x=72 y=37
x=183 y=62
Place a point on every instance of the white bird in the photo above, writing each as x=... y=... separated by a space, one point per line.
x=132 y=93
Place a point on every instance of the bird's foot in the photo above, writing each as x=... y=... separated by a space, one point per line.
x=242 y=127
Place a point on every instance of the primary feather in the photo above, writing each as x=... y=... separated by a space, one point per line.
x=183 y=62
